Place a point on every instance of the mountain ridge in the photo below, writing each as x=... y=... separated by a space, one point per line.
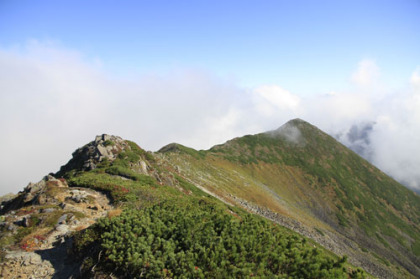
x=296 y=176
x=305 y=148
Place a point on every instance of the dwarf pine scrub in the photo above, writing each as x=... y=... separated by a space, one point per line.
x=201 y=239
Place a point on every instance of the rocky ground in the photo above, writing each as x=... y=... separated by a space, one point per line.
x=48 y=213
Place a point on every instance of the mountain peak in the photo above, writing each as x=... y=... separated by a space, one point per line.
x=297 y=121
x=291 y=131
x=301 y=125
x=104 y=147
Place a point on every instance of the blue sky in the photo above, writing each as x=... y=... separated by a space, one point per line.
x=202 y=72
x=306 y=46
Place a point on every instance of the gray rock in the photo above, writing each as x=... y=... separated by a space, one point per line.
x=7 y=197
x=77 y=199
x=28 y=197
x=89 y=165
x=33 y=189
x=48 y=210
x=93 y=207
x=79 y=196
x=62 y=219
x=26 y=222
x=26 y=258
x=63 y=205
x=88 y=156
x=103 y=151
x=63 y=229
x=42 y=199
x=143 y=166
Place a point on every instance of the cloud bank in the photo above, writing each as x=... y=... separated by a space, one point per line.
x=54 y=100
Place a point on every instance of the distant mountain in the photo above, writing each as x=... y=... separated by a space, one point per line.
x=292 y=202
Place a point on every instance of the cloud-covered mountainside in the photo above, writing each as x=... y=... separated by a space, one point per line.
x=292 y=202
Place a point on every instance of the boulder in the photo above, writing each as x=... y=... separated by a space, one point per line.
x=62 y=219
x=32 y=190
x=48 y=210
x=42 y=199
x=78 y=196
x=26 y=222
x=62 y=228
x=12 y=228
x=143 y=166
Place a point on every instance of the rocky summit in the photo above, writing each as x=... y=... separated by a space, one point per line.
x=104 y=147
x=292 y=202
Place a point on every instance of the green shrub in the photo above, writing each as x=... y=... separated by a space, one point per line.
x=199 y=239
x=108 y=143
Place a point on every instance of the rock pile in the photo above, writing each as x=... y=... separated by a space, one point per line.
x=104 y=147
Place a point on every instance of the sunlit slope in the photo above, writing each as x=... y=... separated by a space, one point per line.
x=301 y=172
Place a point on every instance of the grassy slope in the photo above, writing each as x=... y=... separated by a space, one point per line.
x=302 y=172
x=168 y=227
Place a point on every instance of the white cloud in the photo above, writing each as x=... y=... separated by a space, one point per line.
x=274 y=98
x=397 y=136
x=395 y=144
x=50 y=100
x=53 y=100
x=415 y=80
x=367 y=73
x=338 y=108
x=393 y=119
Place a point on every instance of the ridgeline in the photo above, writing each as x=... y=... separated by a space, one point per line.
x=289 y=203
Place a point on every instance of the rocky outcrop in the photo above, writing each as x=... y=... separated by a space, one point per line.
x=104 y=147
x=39 y=223
x=34 y=194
